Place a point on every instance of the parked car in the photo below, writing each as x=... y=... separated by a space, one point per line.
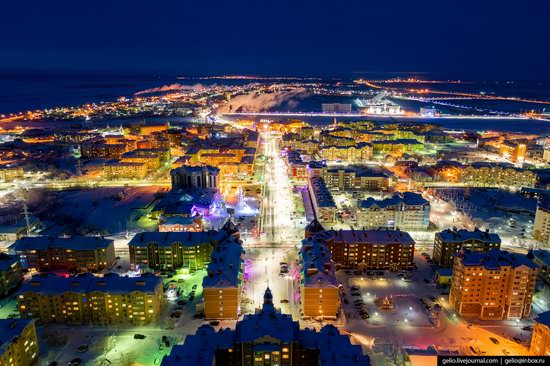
x=139 y=336
x=284 y=301
x=494 y=340
x=75 y=362
x=214 y=323
x=82 y=348
x=355 y=294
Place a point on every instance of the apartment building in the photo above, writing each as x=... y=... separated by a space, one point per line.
x=360 y=153
x=86 y=299
x=541 y=227
x=498 y=175
x=173 y=250
x=77 y=253
x=540 y=338
x=369 y=249
x=494 y=285
x=222 y=286
x=353 y=179
x=318 y=284
x=322 y=201
x=205 y=177
x=18 y=342
x=11 y=274
x=448 y=243
x=408 y=211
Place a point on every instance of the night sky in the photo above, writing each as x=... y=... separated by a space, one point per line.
x=468 y=39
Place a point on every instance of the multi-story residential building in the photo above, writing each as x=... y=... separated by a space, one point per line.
x=222 y=286
x=318 y=284
x=10 y=173
x=206 y=177
x=173 y=250
x=18 y=342
x=493 y=285
x=449 y=242
x=541 y=258
x=497 y=175
x=541 y=227
x=360 y=153
x=408 y=210
x=399 y=145
x=122 y=170
x=540 y=338
x=267 y=338
x=99 y=149
x=86 y=299
x=322 y=201
x=77 y=253
x=11 y=274
x=514 y=151
x=151 y=159
x=352 y=179
x=369 y=249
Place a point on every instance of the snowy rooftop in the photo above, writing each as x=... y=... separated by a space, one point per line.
x=335 y=349
x=190 y=239
x=7 y=261
x=462 y=235
x=323 y=197
x=543 y=318
x=48 y=242
x=110 y=283
x=407 y=199
x=495 y=259
x=316 y=265
x=225 y=265
x=10 y=329
x=380 y=237
x=542 y=255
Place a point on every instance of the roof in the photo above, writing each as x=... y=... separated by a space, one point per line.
x=543 y=318
x=335 y=349
x=463 y=235
x=188 y=239
x=198 y=349
x=7 y=261
x=494 y=259
x=323 y=197
x=49 y=242
x=316 y=264
x=379 y=237
x=407 y=199
x=85 y=283
x=226 y=265
x=10 y=329
x=540 y=254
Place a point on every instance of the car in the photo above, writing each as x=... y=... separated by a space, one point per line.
x=428 y=307
x=444 y=292
x=214 y=323
x=358 y=301
x=53 y=363
x=82 y=348
x=475 y=351
x=517 y=340
x=434 y=299
x=198 y=316
x=354 y=288
x=284 y=301
x=506 y=352
x=283 y=263
x=370 y=273
x=181 y=302
x=139 y=336
x=494 y=340
x=527 y=328
x=346 y=301
x=355 y=294
x=194 y=287
x=422 y=301
x=365 y=315
x=75 y=362
x=349 y=272
x=379 y=273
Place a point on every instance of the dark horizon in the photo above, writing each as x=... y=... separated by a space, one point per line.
x=469 y=40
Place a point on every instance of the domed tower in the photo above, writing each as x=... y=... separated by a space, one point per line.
x=313 y=228
x=268 y=297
